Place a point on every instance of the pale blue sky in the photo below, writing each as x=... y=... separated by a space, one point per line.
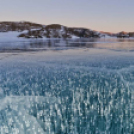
x=101 y=15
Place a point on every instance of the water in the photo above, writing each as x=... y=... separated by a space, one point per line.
x=84 y=90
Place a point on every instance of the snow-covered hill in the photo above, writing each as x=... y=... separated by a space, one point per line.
x=59 y=31
x=18 y=26
x=33 y=30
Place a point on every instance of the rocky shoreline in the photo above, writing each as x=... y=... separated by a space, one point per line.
x=34 y=30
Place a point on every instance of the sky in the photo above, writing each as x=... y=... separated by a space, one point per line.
x=100 y=15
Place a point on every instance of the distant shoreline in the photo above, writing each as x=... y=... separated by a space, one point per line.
x=34 y=30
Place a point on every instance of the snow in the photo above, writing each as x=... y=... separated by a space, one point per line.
x=8 y=36
x=74 y=37
x=25 y=31
x=35 y=29
x=10 y=40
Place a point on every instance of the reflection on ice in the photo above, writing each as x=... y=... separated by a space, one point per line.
x=9 y=41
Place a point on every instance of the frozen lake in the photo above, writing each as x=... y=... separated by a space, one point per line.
x=10 y=41
x=83 y=86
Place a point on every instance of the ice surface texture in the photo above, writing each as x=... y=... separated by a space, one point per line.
x=72 y=96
